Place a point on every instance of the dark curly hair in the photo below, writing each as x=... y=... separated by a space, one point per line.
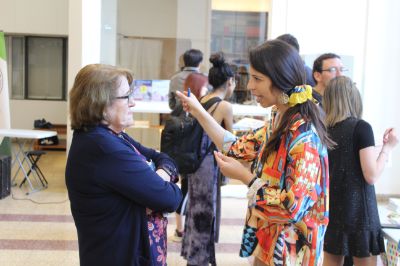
x=220 y=72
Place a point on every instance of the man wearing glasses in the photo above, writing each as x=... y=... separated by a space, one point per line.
x=326 y=67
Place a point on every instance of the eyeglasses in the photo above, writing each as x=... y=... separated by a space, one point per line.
x=129 y=96
x=333 y=70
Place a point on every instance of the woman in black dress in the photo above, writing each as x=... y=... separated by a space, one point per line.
x=354 y=228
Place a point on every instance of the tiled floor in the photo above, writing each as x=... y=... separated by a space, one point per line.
x=38 y=229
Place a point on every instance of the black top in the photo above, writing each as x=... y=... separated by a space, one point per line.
x=354 y=228
x=352 y=200
x=317 y=97
x=309 y=76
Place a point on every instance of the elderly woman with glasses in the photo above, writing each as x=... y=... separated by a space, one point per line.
x=118 y=188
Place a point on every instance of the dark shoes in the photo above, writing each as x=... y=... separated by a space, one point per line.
x=177 y=237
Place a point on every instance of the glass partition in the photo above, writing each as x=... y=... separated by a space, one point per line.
x=235 y=32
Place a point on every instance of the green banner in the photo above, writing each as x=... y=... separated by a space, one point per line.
x=2 y=46
x=5 y=147
x=5 y=144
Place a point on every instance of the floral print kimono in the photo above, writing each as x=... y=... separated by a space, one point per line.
x=288 y=203
x=157 y=226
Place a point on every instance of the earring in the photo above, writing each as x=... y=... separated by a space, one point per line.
x=283 y=98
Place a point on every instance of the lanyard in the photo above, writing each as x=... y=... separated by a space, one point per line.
x=121 y=136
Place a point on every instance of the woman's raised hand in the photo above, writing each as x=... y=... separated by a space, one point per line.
x=190 y=104
x=390 y=137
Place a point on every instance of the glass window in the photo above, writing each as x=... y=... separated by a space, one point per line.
x=16 y=67
x=37 y=67
x=235 y=32
x=44 y=67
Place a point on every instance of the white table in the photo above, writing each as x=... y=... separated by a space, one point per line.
x=163 y=108
x=384 y=213
x=391 y=232
x=25 y=139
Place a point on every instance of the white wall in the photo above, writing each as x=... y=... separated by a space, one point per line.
x=323 y=26
x=108 y=43
x=382 y=79
x=182 y=19
x=150 y=18
x=44 y=17
x=23 y=112
x=194 y=23
x=368 y=31
x=34 y=17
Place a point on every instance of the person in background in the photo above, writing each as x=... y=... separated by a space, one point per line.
x=289 y=183
x=118 y=189
x=192 y=59
x=326 y=67
x=290 y=39
x=198 y=86
x=354 y=228
x=243 y=96
x=204 y=195
x=197 y=83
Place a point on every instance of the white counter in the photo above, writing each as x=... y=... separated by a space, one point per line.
x=163 y=108
x=27 y=133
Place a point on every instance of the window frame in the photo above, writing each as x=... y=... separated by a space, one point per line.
x=25 y=55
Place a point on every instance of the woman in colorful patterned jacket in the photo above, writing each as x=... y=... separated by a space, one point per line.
x=289 y=181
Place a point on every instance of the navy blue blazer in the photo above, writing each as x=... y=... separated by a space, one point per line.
x=109 y=187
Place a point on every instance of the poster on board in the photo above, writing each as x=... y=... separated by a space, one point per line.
x=151 y=90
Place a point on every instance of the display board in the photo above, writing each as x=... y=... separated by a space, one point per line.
x=151 y=90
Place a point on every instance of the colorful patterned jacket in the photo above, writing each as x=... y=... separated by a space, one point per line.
x=288 y=203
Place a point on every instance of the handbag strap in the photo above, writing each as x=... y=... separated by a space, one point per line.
x=207 y=105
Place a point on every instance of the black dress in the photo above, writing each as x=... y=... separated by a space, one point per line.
x=354 y=228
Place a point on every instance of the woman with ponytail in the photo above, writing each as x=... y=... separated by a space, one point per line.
x=204 y=201
x=288 y=181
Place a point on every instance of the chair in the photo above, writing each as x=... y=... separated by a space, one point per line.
x=34 y=157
